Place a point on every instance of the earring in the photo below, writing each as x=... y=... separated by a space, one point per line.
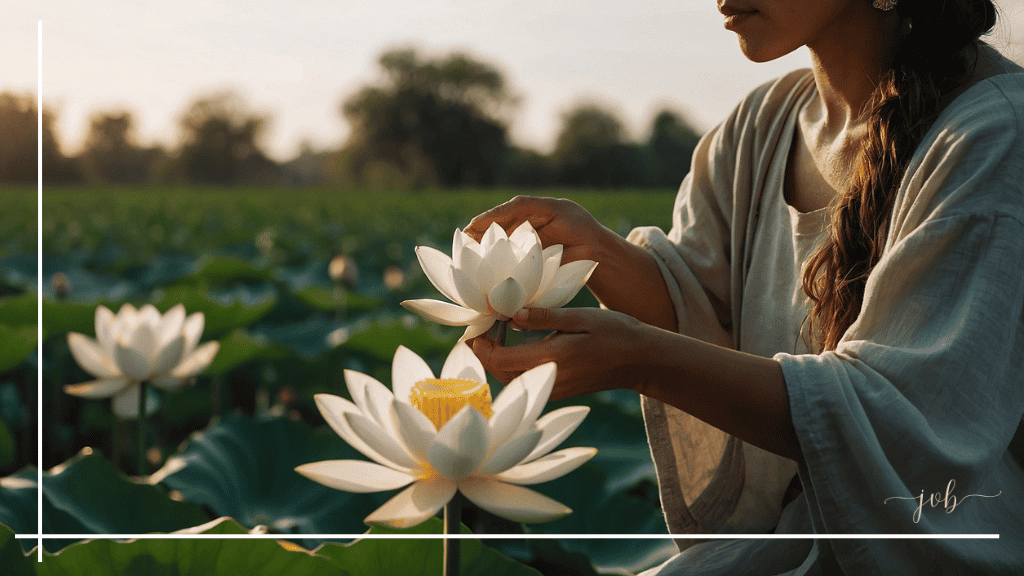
x=884 y=5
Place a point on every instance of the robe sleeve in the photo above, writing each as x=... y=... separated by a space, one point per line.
x=704 y=475
x=906 y=427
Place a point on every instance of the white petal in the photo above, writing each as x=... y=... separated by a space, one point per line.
x=131 y=362
x=333 y=409
x=512 y=502
x=172 y=322
x=474 y=330
x=378 y=405
x=127 y=314
x=552 y=261
x=442 y=312
x=556 y=426
x=355 y=475
x=144 y=340
x=469 y=291
x=529 y=271
x=566 y=284
x=458 y=241
x=416 y=429
x=149 y=315
x=524 y=236
x=461 y=444
x=502 y=259
x=97 y=388
x=90 y=356
x=538 y=383
x=104 y=323
x=192 y=329
x=554 y=465
x=509 y=408
x=462 y=363
x=197 y=361
x=467 y=241
x=392 y=449
x=414 y=504
x=407 y=370
x=169 y=356
x=493 y=234
x=437 y=266
x=511 y=453
x=507 y=297
x=468 y=260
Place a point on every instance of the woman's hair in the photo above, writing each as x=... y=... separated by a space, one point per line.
x=935 y=56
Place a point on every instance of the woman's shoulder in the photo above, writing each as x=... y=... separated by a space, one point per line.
x=971 y=162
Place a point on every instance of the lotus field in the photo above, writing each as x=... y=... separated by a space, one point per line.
x=253 y=321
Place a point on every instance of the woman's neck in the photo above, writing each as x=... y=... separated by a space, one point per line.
x=848 y=59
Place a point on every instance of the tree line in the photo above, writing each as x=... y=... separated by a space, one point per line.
x=429 y=123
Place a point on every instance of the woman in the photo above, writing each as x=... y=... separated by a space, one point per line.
x=830 y=338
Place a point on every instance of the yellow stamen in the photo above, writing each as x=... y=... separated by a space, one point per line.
x=440 y=399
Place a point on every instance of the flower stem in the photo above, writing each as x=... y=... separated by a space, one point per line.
x=140 y=438
x=501 y=330
x=452 y=522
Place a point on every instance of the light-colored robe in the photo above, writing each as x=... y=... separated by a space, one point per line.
x=927 y=386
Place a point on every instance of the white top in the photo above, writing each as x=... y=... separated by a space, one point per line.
x=927 y=386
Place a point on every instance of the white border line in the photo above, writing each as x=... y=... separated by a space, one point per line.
x=523 y=536
x=39 y=403
x=39 y=287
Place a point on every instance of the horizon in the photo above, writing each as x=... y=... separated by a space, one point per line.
x=295 y=65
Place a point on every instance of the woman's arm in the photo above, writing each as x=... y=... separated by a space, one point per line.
x=627 y=278
x=739 y=393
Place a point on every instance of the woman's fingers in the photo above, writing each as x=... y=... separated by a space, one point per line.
x=507 y=362
x=568 y=320
x=511 y=214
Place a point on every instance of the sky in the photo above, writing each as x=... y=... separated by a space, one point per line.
x=297 y=60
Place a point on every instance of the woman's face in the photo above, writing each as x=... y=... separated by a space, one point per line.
x=770 y=29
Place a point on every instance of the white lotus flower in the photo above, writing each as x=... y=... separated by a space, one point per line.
x=444 y=435
x=139 y=345
x=493 y=279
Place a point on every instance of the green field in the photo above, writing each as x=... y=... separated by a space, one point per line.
x=255 y=262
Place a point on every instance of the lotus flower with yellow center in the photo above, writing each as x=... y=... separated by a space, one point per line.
x=441 y=435
x=492 y=279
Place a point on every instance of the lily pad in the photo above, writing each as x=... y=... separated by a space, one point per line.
x=12 y=558
x=88 y=495
x=240 y=347
x=20 y=310
x=230 y=311
x=328 y=300
x=18 y=497
x=18 y=343
x=381 y=339
x=245 y=468
x=188 y=557
x=419 y=557
x=218 y=271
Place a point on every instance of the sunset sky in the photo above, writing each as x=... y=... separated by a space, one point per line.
x=298 y=60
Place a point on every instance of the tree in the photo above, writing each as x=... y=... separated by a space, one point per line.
x=671 y=146
x=591 y=150
x=221 y=142
x=111 y=154
x=435 y=121
x=19 y=144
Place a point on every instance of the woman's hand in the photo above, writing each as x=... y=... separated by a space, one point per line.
x=594 y=349
x=627 y=278
x=557 y=221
